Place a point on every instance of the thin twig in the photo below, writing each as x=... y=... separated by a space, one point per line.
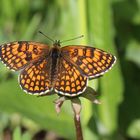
x=79 y=134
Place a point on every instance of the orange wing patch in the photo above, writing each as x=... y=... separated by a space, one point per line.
x=35 y=78
x=91 y=62
x=16 y=55
x=69 y=81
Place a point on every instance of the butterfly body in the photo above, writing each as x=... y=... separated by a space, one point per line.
x=65 y=70
x=54 y=57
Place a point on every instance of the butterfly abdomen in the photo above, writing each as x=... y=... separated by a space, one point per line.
x=55 y=55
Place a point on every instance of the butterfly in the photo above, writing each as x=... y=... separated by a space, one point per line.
x=65 y=70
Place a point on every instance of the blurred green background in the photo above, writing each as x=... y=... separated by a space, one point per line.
x=112 y=25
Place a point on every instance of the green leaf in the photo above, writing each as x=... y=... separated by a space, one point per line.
x=17 y=134
x=125 y=10
x=87 y=111
x=31 y=29
x=133 y=52
x=111 y=85
x=134 y=129
x=39 y=109
x=26 y=136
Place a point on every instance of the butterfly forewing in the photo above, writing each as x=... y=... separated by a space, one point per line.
x=34 y=79
x=16 y=55
x=90 y=61
x=69 y=82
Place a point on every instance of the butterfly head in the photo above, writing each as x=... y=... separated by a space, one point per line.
x=56 y=43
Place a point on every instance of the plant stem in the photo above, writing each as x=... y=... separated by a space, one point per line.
x=79 y=134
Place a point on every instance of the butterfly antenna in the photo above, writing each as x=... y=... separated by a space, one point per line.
x=72 y=38
x=46 y=36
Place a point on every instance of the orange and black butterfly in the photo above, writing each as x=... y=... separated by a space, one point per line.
x=65 y=70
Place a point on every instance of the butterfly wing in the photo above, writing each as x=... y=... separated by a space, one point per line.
x=34 y=78
x=16 y=55
x=90 y=61
x=69 y=81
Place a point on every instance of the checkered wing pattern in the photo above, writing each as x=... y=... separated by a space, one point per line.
x=16 y=55
x=91 y=62
x=34 y=79
x=69 y=82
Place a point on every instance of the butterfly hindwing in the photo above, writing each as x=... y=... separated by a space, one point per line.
x=69 y=82
x=34 y=79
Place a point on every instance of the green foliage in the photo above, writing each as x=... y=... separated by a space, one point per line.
x=113 y=26
x=18 y=136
